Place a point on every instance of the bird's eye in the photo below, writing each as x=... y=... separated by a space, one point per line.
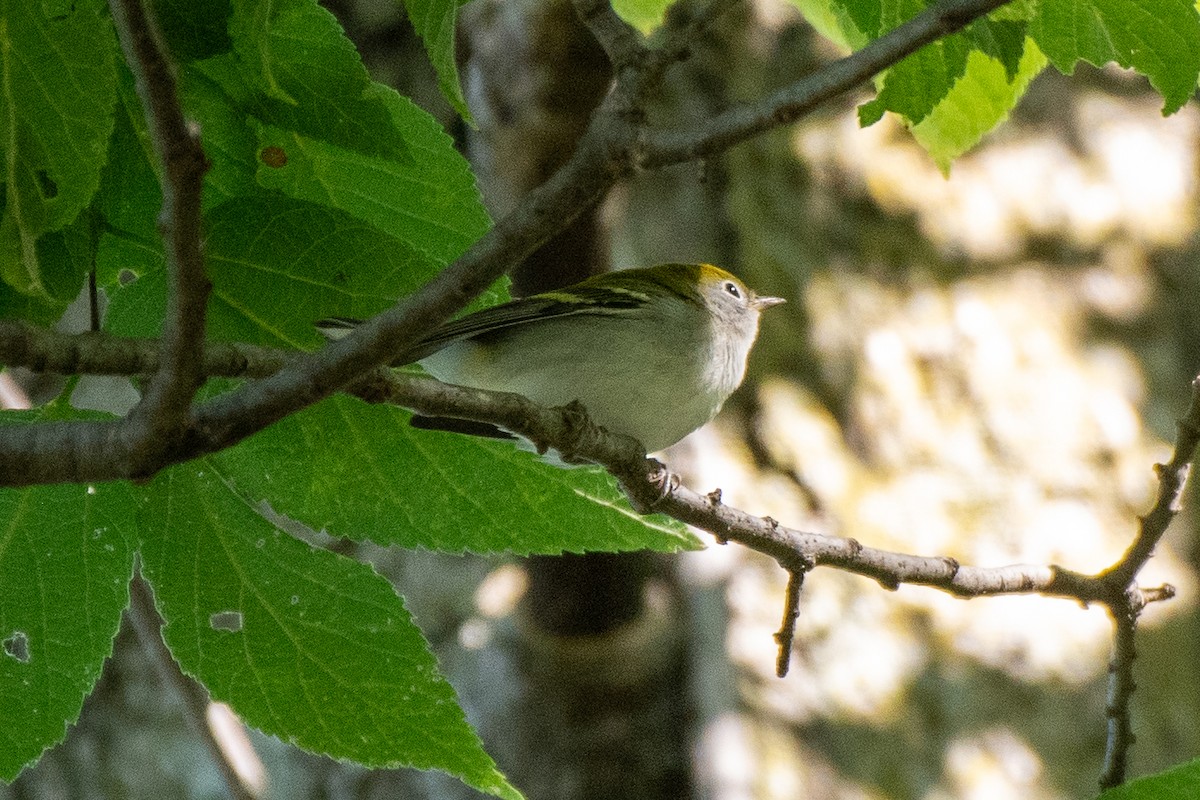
x=733 y=289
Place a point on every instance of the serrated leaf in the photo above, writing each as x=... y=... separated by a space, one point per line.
x=979 y=101
x=306 y=645
x=310 y=78
x=917 y=84
x=361 y=471
x=66 y=558
x=867 y=15
x=57 y=90
x=1158 y=38
x=1178 y=783
x=1002 y=40
x=430 y=202
x=276 y=266
x=435 y=22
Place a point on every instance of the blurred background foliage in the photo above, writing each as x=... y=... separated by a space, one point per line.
x=983 y=366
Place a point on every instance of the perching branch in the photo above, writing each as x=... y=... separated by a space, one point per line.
x=648 y=488
x=569 y=431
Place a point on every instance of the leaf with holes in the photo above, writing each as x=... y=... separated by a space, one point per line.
x=65 y=562
x=306 y=645
x=57 y=91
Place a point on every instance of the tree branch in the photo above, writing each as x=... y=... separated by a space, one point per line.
x=96 y=353
x=568 y=430
x=1172 y=478
x=1128 y=600
x=648 y=488
x=611 y=148
x=1119 y=735
x=664 y=147
x=163 y=412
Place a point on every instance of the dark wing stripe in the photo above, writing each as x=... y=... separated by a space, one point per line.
x=519 y=312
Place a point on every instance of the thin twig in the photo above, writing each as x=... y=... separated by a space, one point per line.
x=791 y=614
x=148 y=624
x=1129 y=600
x=569 y=431
x=1172 y=478
x=164 y=409
x=1119 y=738
x=737 y=124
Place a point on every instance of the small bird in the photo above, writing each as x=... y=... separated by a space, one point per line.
x=652 y=353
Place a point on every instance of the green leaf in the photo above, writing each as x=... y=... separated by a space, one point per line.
x=276 y=266
x=1158 y=38
x=361 y=471
x=645 y=15
x=129 y=197
x=435 y=22
x=65 y=565
x=1178 y=783
x=66 y=257
x=917 y=84
x=304 y=644
x=310 y=78
x=1002 y=40
x=38 y=310
x=833 y=21
x=216 y=93
x=194 y=29
x=430 y=202
x=867 y=15
x=57 y=90
x=979 y=101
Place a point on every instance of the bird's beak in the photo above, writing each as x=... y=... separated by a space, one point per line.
x=766 y=302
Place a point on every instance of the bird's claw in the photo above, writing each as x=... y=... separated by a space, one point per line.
x=662 y=479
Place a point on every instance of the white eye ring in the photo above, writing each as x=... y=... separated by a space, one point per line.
x=733 y=289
